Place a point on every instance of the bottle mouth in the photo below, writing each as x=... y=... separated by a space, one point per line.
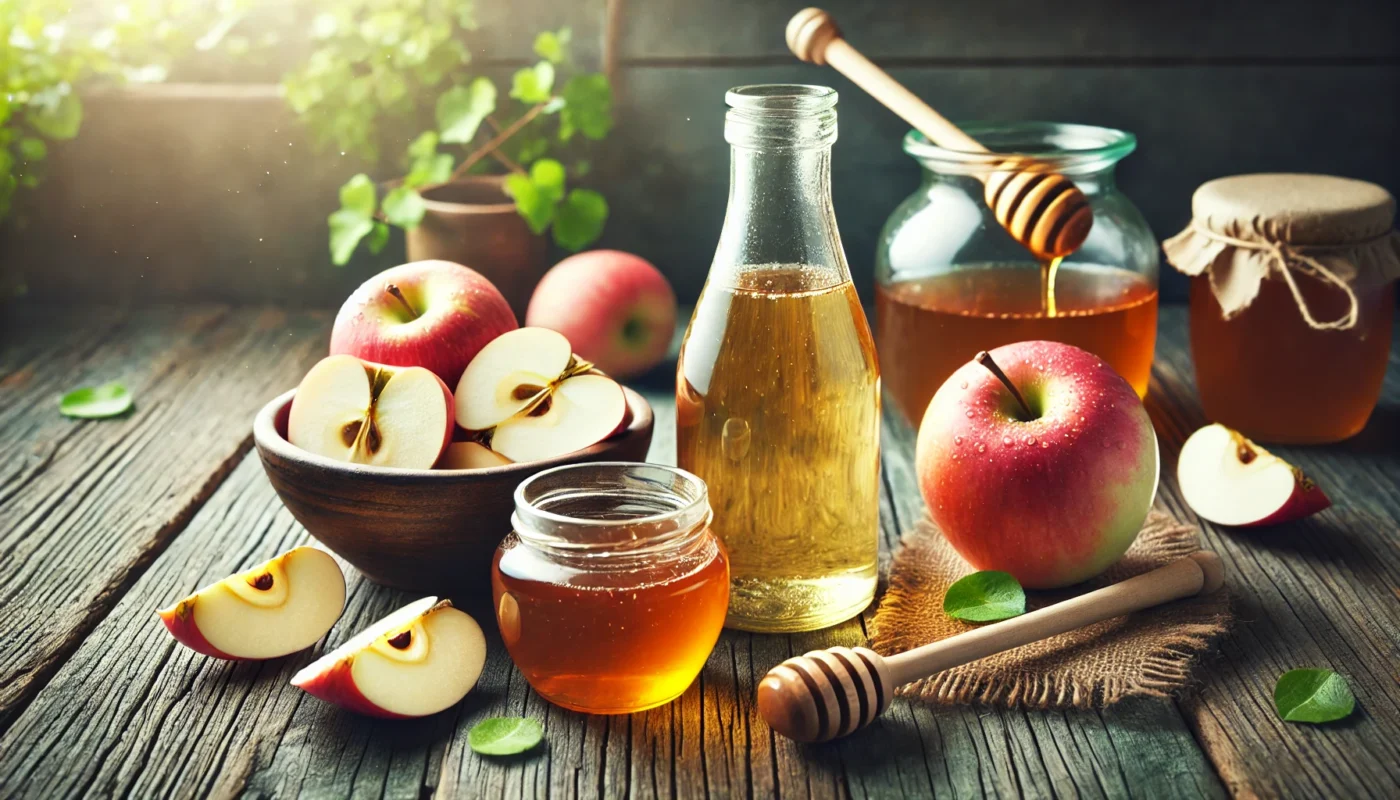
x=776 y=116
x=1067 y=148
x=611 y=508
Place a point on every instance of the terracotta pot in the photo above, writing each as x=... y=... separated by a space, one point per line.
x=472 y=222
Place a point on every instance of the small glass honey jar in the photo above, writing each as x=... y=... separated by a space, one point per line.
x=611 y=591
x=1292 y=301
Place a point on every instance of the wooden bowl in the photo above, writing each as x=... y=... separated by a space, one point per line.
x=424 y=530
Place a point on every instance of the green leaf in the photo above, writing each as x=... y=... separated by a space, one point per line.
x=424 y=146
x=404 y=207
x=357 y=195
x=537 y=210
x=32 y=149
x=461 y=110
x=533 y=84
x=101 y=402
x=505 y=736
x=429 y=171
x=1313 y=695
x=553 y=46
x=548 y=177
x=588 y=107
x=985 y=597
x=60 y=119
x=348 y=227
x=578 y=221
x=531 y=148
x=378 y=237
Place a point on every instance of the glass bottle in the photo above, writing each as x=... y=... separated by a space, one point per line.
x=777 y=389
x=950 y=281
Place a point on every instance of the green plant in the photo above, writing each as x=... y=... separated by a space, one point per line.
x=376 y=60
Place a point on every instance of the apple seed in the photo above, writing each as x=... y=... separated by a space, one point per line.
x=262 y=583
x=402 y=641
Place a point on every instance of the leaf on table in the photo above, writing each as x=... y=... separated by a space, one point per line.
x=505 y=736
x=985 y=596
x=462 y=109
x=96 y=402
x=579 y=219
x=1313 y=695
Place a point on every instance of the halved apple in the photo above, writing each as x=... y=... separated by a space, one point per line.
x=1229 y=480
x=471 y=455
x=417 y=661
x=578 y=412
x=364 y=413
x=510 y=373
x=272 y=610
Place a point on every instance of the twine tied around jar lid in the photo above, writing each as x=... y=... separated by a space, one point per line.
x=1247 y=228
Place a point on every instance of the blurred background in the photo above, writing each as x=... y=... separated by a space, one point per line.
x=194 y=150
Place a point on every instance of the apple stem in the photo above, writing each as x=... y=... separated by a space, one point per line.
x=393 y=289
x=985 y=359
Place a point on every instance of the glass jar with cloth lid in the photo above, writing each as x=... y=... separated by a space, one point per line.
x=1292 y=301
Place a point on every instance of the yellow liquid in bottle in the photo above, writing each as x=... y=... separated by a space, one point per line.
x=778 y=411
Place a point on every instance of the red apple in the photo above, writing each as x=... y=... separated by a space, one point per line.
x=419 y=660
x=1230 y=480
x=350 y=410
x=616 y=309
x=431 y=314
x=1052 y=491
x=272 y=610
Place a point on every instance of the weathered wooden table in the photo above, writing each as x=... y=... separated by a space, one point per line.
x=102 y=522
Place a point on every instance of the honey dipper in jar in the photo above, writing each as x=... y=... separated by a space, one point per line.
x=1040 y=208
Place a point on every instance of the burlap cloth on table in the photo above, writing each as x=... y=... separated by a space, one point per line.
x=1149 y=653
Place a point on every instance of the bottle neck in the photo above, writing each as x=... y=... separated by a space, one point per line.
x=780 y=211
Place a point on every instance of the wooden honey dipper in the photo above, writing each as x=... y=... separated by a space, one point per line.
x=1041 y=209
x=829 y=693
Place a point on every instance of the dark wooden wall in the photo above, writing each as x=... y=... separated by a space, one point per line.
x=214 y=191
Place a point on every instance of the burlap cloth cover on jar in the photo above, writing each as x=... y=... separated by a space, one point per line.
x=1149 y=653
x=1246 y=228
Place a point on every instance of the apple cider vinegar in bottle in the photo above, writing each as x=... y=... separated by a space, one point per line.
x=777 y=388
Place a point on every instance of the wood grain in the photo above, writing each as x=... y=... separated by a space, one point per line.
x=89 y=504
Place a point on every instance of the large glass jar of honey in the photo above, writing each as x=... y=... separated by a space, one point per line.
x=1292 y=302
x=950 y=280
x=611 y=591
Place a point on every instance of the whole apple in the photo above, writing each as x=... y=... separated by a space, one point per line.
x=1052 y=491
x=431 y=314
x=616 y=309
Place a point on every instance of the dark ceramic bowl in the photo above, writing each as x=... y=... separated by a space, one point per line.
x=423 y=530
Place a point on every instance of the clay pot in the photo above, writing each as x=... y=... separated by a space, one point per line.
x=471 y=221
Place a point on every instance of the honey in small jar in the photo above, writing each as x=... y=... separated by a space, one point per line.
x=611 y=591
x=1292 y=302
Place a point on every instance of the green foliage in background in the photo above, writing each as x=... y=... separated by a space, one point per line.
x=380 y=60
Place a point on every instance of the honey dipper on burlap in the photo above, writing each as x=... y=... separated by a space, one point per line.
x=1075 y=649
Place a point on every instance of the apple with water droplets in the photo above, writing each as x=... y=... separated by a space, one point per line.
x=1039 y=460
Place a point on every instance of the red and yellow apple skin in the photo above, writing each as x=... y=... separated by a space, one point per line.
x=337 y=686
x=277 y=608
x=616 y=309
x=1229 y=480
x=1052 y=500
x=447 y=313
x=1307 y=499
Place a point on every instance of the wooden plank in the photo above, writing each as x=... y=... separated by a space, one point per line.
x=668 y=199
x=1016 y=31
x=95 y=502
x=1320 y=592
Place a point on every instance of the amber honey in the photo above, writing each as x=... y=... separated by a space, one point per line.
x=1269 y=375
x=778 y=410
x=929 y=327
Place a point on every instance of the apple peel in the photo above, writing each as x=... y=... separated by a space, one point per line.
x=1229 y=480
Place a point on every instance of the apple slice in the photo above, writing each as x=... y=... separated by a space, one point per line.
x=471 y=455
x=363 y=413
x=417 y=661
x=580 y=411
x=509 y=374
x=1229 y=480
x=274 y=609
